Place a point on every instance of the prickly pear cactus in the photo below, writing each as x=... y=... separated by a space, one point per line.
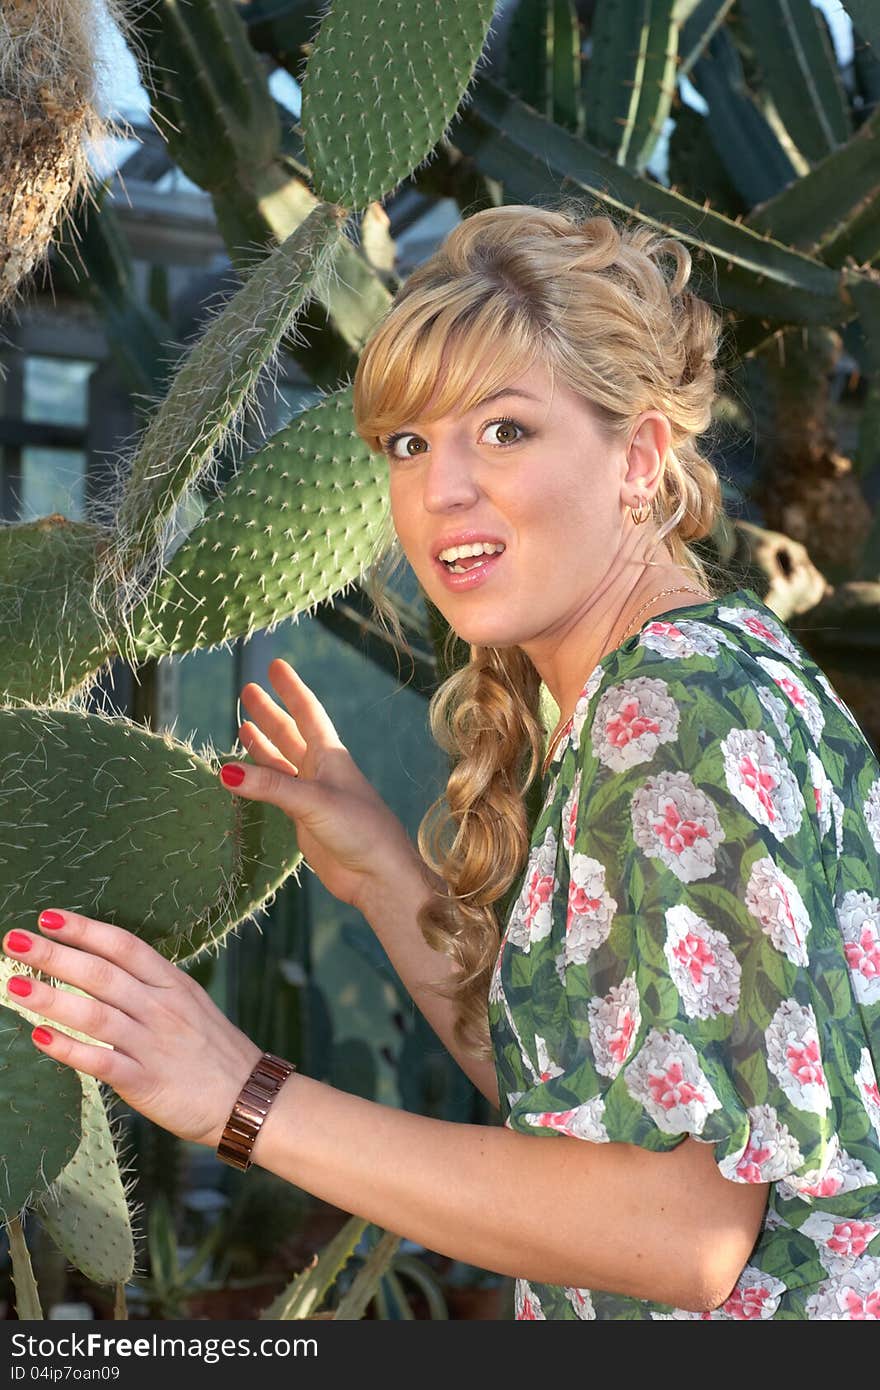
x=410 y=62
x=297 y=524
x=51 y=638
x=39 y=1115
x=142 y=834
x=85 y=1211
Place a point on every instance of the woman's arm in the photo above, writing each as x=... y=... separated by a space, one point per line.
x=556 y=1210
x=390 y=903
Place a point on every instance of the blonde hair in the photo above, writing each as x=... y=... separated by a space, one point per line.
x=590 y=298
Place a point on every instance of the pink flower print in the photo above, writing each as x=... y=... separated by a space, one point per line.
x=851 y=1238
x=629 y=723
x=872 y=1091
x=792 y=690
x=694 y=955
x=540 y=892
x=749 y=1303
x=752 y=623
x=761 y=781
x=805 y=1064
x=749 y=1167
x=571 y=822
x=672 y=1088
x=621 y=1041
x=676 y=833
x=863 y=959
x=658 y=629
x=580 y=903
x=862 y=1309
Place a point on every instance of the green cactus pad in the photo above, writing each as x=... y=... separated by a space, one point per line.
x=39 y=1115
x=103 y=817
x=85 y=1211
x=214 y=384
x=299 y=522
x=51 y=640
x=382 y=83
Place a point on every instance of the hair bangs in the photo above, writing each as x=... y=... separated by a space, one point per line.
x=424 y=369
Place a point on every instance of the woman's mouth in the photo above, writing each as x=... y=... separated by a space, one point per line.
x=479 y=568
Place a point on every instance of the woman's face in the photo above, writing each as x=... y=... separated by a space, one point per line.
x=544 y=481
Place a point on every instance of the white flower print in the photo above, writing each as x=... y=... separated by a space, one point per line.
x=837 y=811
x=581 y=1301
x=526 y=1303
x=570 y=812
x=774 y=899
x=581 y=1122
x=597 y=675
x=615 y=1019
x=822 y=791
x=866 y=1080
x=844 y=708
x=853 y=1295
x=859 y=918
x=840 y=1173
x=840 y=1240
x=762 y=781
x=677 y=823
x=755 y=1296
x=547 y=1068
x=871 y=812
x=496 y=989
x=665 y=1077
x=513 y=1097
x=685 y=638
x=632 y=719
x=804 y=700
x=793 y=1055
x=704 y=969
x=776 y=710
x=590 y=909
x=763 y=627
x=532 y=913
x=770 y=1152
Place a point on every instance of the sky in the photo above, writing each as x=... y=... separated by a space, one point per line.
x=121 y=92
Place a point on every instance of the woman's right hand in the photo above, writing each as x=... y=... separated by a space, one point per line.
x=347 y=834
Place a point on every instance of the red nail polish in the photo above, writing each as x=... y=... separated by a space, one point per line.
x=232 y=775
x=19 y=985
x=17 y=941
x=51 y=920
x=41 y=1035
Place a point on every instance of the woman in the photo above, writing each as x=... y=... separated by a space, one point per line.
x=685 y=992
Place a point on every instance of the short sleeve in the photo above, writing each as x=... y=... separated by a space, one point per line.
x=673 y=990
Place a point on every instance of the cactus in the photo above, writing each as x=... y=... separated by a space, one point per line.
x=305 y=514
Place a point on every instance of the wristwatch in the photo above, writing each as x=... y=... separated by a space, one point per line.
x=251 y=1109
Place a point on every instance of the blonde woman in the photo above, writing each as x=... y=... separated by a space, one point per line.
x=678 y=1016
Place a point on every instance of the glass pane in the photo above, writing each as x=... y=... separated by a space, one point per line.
x=53 y=480
x=56 y=390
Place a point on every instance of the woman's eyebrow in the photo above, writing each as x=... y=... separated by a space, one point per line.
x=506 y=391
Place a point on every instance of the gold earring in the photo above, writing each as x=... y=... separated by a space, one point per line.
x=644 y=505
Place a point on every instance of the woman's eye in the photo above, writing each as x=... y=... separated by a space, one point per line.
x=505 y=424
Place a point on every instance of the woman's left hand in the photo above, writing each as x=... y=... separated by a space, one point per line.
x=173 y=1055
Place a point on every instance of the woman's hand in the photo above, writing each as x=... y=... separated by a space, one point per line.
x=347 y=834
x=172 y=1055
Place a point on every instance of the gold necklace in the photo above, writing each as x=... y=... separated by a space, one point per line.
x=684 y=588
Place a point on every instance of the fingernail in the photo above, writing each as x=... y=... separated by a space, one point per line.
x=41 y=1035
x=51 y=920
x=232 y=775
x=19 y=985
x=17 y=941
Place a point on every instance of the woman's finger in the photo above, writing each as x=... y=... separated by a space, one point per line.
x=103 y=1063
x=92 y=955
x=98 y=1020
x=313 y=720
x=276 y=725
x=262 y=751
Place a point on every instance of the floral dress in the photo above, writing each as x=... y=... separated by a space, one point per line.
x=695 y=949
